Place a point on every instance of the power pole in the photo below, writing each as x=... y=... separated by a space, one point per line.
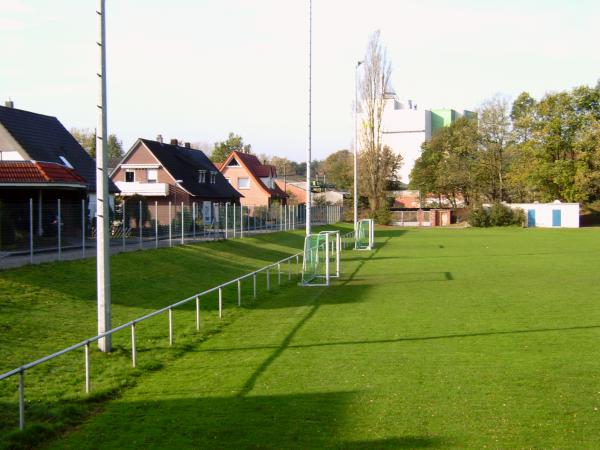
x=308 y=156
x=102 y=198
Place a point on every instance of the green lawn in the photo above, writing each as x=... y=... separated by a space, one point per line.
x=441 y=338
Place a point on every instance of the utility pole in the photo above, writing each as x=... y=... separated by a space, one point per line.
x=356 y=145
x=308 y=156
x=102 y=198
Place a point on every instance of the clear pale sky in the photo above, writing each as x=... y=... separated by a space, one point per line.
x=198 y=69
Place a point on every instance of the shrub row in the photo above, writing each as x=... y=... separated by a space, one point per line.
x=498 y=215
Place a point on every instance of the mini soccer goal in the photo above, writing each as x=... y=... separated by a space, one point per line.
x=321 y=260
x=365 y=235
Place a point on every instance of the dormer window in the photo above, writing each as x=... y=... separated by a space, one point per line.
x=213 y=177
x=233 y=162
x=202 y=176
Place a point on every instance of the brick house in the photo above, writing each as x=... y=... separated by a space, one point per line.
x=253 y=179
x=169 y=173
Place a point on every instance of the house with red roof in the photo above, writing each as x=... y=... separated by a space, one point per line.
x=253 y=179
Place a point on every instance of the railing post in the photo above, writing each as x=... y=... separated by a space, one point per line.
x=278 y=274
x=239 y=287
x=254 y=285
x=297 y=264
x=87 y=367
x=170 y=326
x=289 y=269
x=220 y=302
x=21 y=399
x=133 y=349
x=198 y=313
x=268 y=280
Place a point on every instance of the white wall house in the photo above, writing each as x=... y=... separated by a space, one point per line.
x=550 y=215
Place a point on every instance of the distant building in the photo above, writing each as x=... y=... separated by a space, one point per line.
x=253 y=179
x=405 y=128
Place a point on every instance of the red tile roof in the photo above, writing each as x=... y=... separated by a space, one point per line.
x=33 y=172
x=258 y=170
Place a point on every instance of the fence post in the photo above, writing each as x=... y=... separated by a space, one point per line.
x=241 y=221
x=278 y=274
x=141 y=224
x=133 y=350
x=122 y=225
x=155 y=224
x=198 y=313
x=220 y=302
x=254 y=285
x=239 y=287
x=233 y=215
x=170 y=326
x=170 y=226
x=30 y=231
x=289 y=269
x=182 y=219
x=59 y=231
x=21 y=399
x=87 y=367
x=226 y=222
x=83 y=227
x=268 y=280
x=194 y=220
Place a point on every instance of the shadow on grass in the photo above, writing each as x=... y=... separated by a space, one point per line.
x=316 y=420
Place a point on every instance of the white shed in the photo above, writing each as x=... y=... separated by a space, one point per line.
x=550 y=215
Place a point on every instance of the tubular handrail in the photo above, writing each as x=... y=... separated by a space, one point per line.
x=132 y=323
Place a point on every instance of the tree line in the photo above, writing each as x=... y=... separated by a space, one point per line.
x=533 y=150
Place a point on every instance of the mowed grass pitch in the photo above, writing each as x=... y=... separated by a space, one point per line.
x=438 y=339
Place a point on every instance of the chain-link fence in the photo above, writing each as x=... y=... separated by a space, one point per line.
x=38 y=231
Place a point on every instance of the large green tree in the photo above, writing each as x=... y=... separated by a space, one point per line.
x=222 y=150
x=338 y=169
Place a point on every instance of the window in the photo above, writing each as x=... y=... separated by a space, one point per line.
x=129 y=176
x=213 y=177
x=233 y=162
x=202 y=176
x=152 y=175
x=243 y=183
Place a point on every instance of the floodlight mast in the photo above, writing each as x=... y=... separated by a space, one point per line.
x=308 y=155
x=102 y=198
x=356 y=145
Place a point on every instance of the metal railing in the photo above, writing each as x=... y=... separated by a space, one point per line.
x=85 y=344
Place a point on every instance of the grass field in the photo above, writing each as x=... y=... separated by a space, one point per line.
x=438 y=339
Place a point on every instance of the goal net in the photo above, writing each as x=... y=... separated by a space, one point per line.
x=365 y=234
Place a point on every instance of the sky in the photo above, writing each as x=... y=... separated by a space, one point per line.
x=196 y=70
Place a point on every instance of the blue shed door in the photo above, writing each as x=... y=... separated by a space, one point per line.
x=556 y=220
x=531 y=218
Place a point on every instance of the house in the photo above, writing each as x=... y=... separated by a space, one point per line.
x=253 y=179
x=549 y=215
x=295 y=189
x=40 y=139
x=170 y=174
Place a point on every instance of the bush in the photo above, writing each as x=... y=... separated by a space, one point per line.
x=479 y=217
x=383 y=216
x=499 y=215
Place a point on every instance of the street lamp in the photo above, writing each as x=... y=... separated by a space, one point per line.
x=356 y=144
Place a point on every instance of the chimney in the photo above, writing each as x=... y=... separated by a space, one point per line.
x=187 y=145
x=9 y=104
x=159 y=138
x=410 y=105
x=174 y=142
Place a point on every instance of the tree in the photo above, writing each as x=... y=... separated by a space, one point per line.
x=283 y=166
x=87 y=139
x=338 y=168
x=221 y=150
x=494 y=137
x=378 y=163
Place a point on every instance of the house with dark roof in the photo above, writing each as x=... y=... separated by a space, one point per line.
x=25 y=135
x=253 y=179
x=171 y=174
